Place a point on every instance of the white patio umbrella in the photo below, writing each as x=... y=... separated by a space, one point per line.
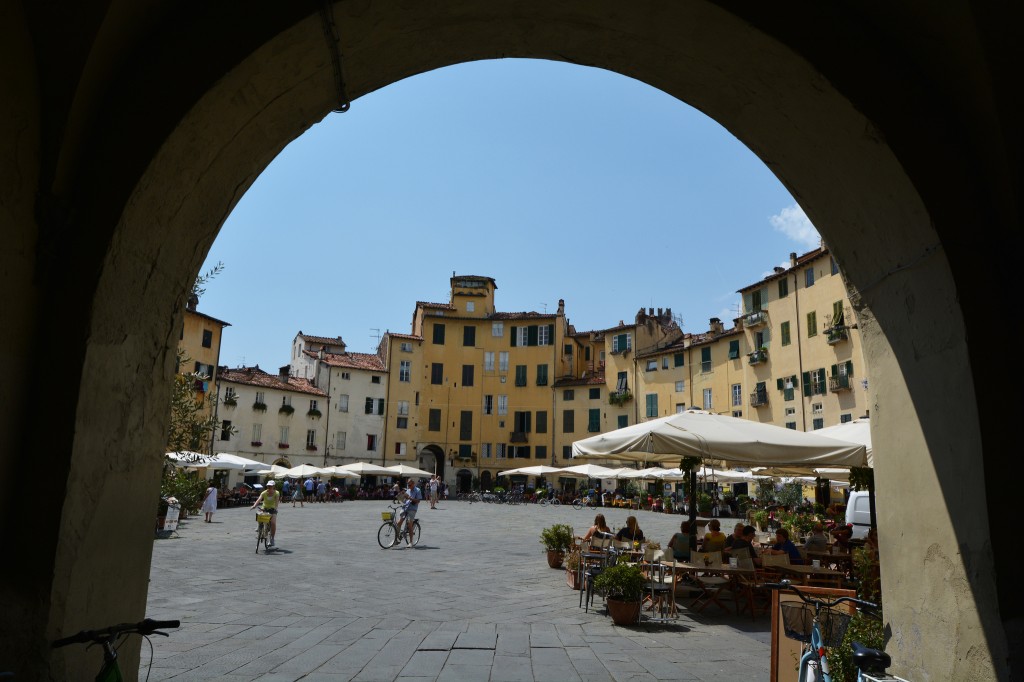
x=366 y=469
x=223 y=460
x=188 y=460
x=273 y=471
x=405 y=470
x=339 y=472
x=301 y=471
x=539 y=470
x=585 y=471
x=719 y=437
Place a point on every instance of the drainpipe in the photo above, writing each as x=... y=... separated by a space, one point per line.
x=799 y=350
x=327 y=421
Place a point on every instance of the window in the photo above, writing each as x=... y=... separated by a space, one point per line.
x=566 y=452
x=467 y=375
x=817 y=408
x=503 y=361
x=502 y=405
x=755 y=300
x=521 y=422
x=310 y=438
x=814 y=382
x=466 y=425
x=257 y=433
x=488 y=404
x=734 y=349
x=809 y=277
x=399 y=449
x=568 y=421
x=374 y=406
x=286 y=401
x=784 y=331
x=485 y=450
x=405 y=370
x=622 y=342
x=402 y=423
x=204 y=370
x=283 y=435
x=680 y=408
x=225 y=430
x=374 y=379
x=260 y=398
x=677 y=359
x=434 y=420
x=783 y=288
x=521 y=336
x=312 y=405
x=664 y=362
x=436 y=373
x=593 y=420
x=497 y=329
x=812 y=324
x=586 y=353
x=835 y=267
x=595 y=394
x=790 y=411
x=229 y=394
x=652 y=365
x=207 y=338
x=652 y=404
x=541 y=452
x=371 y=442
x=844 y=418
x=417 y=399
x=544 y=335
x=403 y=408
x=707 y=399
x=568 y=349
x=791 y=425
x=465 y=451
x=542 y=375
x=621 y=382
x=737 y=395
x=817 y=423
x=405 y=346
x=520 y=375
x=737 y=413
x=623 y=421
x=568 y=394
x=542 y=421
x=469 y=336
x=339 y=440
x=837 y=314
x=489 y=361
x=346 y=375
x=342 y=403
x=705 y=360
x=787 y=385
x=470 y=306
x=680 y=386
x=499 y=451
x=438 y=334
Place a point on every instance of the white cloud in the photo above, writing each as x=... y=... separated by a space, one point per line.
x=793 y=222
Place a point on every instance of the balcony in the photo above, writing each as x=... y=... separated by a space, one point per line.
x=759 y=398
x=755 y=319
x=840 y=383
x=517 y=437
x=834 y=335
x=758 y=356
x=620 y=397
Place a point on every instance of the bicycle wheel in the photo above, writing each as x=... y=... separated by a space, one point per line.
x=387 y=536
x=555 y=502
x=261 y=532
x=415 y=532
x=577 y=503
x=543 y=502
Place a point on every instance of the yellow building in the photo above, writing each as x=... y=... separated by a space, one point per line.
x=804 y=369
x=200 y=341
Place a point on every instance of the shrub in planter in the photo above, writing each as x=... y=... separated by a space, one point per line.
x=623 y=585
x=557 y=540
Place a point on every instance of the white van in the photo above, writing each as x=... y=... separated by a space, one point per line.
x=858 y=513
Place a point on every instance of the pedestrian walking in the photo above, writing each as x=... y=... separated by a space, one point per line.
x=310 y=491
x=321 y=491
x=210 y=502
x=297 y=496
x=433 y=491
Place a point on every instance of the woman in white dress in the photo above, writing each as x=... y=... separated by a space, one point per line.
x=210 y=502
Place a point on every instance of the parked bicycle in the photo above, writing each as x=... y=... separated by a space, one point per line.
x=393 y=531
x=588 y=501
x=818 y=624
x=262 y=529
x=553 y=501
x=107 y=637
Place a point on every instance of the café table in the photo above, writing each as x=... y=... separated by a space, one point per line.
x=806 y=574
x=708 y=595
x=837 y=562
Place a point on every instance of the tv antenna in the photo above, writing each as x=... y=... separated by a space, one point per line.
x=678 y=319
x=377 y=336
x=545 y=308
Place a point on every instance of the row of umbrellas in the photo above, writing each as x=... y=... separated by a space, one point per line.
x=232 y=462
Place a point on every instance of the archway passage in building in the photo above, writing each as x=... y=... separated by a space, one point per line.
x=894 y=152
x=432 y=460
x=464 y=480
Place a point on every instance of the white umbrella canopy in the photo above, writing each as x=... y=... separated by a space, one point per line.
x=188 y=459
x=221 y=460
x=856 y=431
x=539 y=470
x=339 y=472
x=585 y=471
x=405 y=470
x=301 y=471
x=365 y=469
x=719 y=437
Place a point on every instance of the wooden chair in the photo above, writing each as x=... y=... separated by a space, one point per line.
x=774 y=560
x=712 y=583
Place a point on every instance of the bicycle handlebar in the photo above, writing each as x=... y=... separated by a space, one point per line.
x=144 y=627
x=865 y=607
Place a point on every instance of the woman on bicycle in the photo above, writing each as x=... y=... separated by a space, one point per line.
x=600 y=526
x=269 y=498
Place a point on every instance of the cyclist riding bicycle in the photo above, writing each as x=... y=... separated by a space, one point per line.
x=269 y=498
x=410 y=506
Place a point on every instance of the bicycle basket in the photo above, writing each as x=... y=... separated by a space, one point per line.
x=387 y=516
x=797 y=619
x=263 y=518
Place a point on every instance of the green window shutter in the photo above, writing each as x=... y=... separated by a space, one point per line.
x=551 y=334
x=822 y=382
x=807 y=383
x=542 y=375
x=812 y=323
x=780 y=384
x=734 y=349
x=834 y=370
x=785 y=333
x=849 y=368
x=705 y=355
x=679 y=359
x=513 y=337
x=623 y=421
x=837 y=313
x=531 y=335
x=594 y=421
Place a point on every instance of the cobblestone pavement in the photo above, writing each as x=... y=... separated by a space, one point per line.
x=475 y=601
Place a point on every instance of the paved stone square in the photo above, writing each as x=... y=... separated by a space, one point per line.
x=475 y=601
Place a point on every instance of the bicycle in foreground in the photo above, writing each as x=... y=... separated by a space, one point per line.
x=818 y=624
x=393 y=531
x=262 y=529
x=108 y=637
x=580 y=502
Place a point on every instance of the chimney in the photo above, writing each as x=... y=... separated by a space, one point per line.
x=792 y=259
x=650 y=312
x=779 y=269
x=193 y=302
x=561 y=307
x=716 y=325
x=284 y=373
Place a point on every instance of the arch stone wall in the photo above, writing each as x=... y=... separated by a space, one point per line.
x=132 y=142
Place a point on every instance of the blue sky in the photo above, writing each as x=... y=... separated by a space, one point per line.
x=558 y=181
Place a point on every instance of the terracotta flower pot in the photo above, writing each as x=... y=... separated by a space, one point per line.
x=623 y=612
x=572 y=578
x=555 y=558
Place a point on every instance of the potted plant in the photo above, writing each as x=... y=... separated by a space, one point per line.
x=760 y=519
x=623 y=587
x=557 y=540
x=572 y=568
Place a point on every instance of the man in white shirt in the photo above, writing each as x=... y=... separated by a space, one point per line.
x=433 y=491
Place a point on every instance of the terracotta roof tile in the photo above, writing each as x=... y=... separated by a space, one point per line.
x=426 y=304
x=411 y=337
x=324 y=340
x=520 y=316
x=254 y=376
x=800 y=262
x=367 y=361
x=591 y=380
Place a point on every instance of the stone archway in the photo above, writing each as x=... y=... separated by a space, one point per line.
x=133 y=186
x=431 y=458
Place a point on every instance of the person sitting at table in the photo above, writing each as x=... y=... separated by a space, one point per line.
x=816 y=541
x=631 y=531
x=714 y=539
x=682 y=543
x=841 y=535
x=746 y=542
x=656 y=504
x=783 y=545
x=737 y=534
x=600 y=526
